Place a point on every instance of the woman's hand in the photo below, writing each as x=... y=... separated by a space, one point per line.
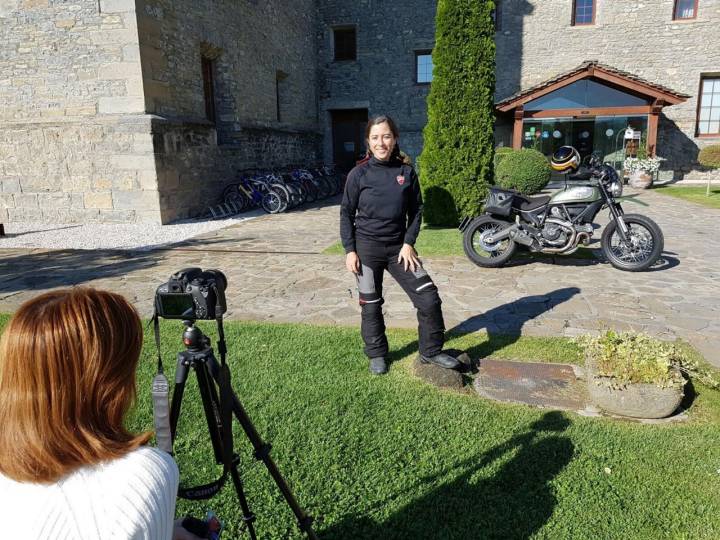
x=352 y=262
x=408 y=256
x=180 y=533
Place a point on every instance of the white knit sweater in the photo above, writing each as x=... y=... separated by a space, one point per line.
x=128 y=498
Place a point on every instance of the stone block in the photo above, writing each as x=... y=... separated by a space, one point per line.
x=121 y=105
x=169 y=179
x=101 y=184
x=131 y=53
x=148 y=180
x=53 y=200
x=70 y=184
x=117 y=216
x=77 y=200
x=134 y=87
x=116 y=6
x=126 y=182
x=64 y=23
x=119 y=70
x=26 y=200
x=86 y=110
x=4 y=215
x=24 y=214
x=10 y=185
x=148 y=216
x=133 y=162
x=136 y=200
x=7 y=200
x=101 y=200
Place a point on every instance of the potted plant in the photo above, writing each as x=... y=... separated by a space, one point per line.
x=642 y=167
x=632 y=374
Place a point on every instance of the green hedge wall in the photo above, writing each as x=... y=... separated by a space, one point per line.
x=709 y=156
x=457 y=159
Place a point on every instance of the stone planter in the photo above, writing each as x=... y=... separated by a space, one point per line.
x=641 y=180
x=635 y=400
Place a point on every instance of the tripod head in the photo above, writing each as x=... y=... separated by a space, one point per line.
x=193 y=337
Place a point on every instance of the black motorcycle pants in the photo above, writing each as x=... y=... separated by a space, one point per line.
x=375 y=258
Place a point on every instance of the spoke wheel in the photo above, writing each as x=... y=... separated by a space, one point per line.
x=643 y=248
x=482 y=252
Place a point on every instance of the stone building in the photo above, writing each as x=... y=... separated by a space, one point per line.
x=142 y=110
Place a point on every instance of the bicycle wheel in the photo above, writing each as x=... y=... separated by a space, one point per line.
x=272 y=203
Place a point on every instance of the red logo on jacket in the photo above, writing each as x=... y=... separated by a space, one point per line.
x=400 y=179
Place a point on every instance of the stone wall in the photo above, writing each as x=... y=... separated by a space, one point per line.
x=537 y=42
x=74 y=145
x=251 y=44
x=382 y=79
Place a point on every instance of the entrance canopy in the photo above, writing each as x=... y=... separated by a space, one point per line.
x=590 y=94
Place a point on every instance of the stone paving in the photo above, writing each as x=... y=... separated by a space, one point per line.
x=277 y=272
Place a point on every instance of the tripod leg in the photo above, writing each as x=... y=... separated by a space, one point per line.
x=211 y=406
x=181 y=374
x=262 y=453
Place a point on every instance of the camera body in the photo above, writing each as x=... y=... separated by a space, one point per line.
x=192 y=294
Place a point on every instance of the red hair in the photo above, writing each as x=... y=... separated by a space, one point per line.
x=67 y=380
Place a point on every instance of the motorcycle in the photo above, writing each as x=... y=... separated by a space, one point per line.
x=560 y=223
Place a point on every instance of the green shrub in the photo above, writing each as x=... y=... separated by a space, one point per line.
x=457 y=158
x=525 y=170
x=623 y=358
x=709 y=156
x=500 y=153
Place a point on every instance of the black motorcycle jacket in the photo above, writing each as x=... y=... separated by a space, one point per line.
x=382 y=202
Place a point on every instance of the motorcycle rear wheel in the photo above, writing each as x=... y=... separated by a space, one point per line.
x=487 y=255
x=646 y=244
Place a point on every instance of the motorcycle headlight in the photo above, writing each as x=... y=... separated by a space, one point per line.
x=615 y=188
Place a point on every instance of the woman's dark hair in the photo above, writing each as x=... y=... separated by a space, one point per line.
x=385 y=119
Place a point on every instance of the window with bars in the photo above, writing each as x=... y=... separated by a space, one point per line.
x=685 y=9
x=709 y=106
x=423 y=67
x=345 y=43
x=583 y=12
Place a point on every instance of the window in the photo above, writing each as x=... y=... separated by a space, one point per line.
x=344 y=40
x=208 y=72
x=709 y=106
x=423 y=67
x=685 y=9
x=583 y=12
x=280 y=93
x=496 y=15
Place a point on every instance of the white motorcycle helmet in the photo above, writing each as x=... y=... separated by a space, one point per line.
x=565 y=159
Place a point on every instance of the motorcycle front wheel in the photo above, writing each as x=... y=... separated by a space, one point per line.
x=645 y=244
x=483 y=253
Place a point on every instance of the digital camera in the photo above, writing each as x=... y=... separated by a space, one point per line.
x=192 y=294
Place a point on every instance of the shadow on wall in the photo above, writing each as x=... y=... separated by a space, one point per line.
x=680 y=151
x=512 y=502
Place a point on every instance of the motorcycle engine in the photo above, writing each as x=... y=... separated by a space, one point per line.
x=554 y=235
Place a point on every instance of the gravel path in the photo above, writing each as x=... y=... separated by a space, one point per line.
x=135 y=236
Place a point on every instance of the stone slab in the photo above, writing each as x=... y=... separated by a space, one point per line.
x=553 y=386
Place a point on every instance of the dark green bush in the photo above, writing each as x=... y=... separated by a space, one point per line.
x=525 y=170
x=457 y=159
x=710 y=156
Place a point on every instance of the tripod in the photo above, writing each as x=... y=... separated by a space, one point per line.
x=199 y=356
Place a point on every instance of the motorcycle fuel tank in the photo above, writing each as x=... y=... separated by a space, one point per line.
x=577 y=194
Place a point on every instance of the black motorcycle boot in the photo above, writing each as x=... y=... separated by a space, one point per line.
x=378 y=366
x=441 y=359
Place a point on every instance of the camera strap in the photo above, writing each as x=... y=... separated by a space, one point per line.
x=161 y=399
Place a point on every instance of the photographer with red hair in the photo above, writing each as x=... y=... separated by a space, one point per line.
x=69 y=468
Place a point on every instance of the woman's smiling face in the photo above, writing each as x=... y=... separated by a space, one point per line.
x=381 y=141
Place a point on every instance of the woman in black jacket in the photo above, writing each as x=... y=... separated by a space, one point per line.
x=380 y=219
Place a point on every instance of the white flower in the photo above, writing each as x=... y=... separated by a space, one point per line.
x=650 y=164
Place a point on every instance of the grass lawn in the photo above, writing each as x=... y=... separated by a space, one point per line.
x=442 y=242
x=692 y=194
x=392 y=457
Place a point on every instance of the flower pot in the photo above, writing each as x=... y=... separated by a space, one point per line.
x=641 y=179
x=639 y=400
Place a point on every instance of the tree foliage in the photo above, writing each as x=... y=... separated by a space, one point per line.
x=457 y=159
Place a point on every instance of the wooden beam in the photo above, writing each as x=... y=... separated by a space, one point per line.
x=589 y=113
x=653 y=120
x=640 y=88
x=518 y=129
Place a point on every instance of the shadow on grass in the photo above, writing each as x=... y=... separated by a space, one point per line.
x=513 y=503
x=503 y=324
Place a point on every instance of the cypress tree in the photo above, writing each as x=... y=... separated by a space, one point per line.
x=456 y=161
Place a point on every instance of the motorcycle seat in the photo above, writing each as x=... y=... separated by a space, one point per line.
x=527 y=204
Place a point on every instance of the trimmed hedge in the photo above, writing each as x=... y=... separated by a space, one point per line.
x=525 y=170
x=709 y=156
x=500 y=153
x=457 y=158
